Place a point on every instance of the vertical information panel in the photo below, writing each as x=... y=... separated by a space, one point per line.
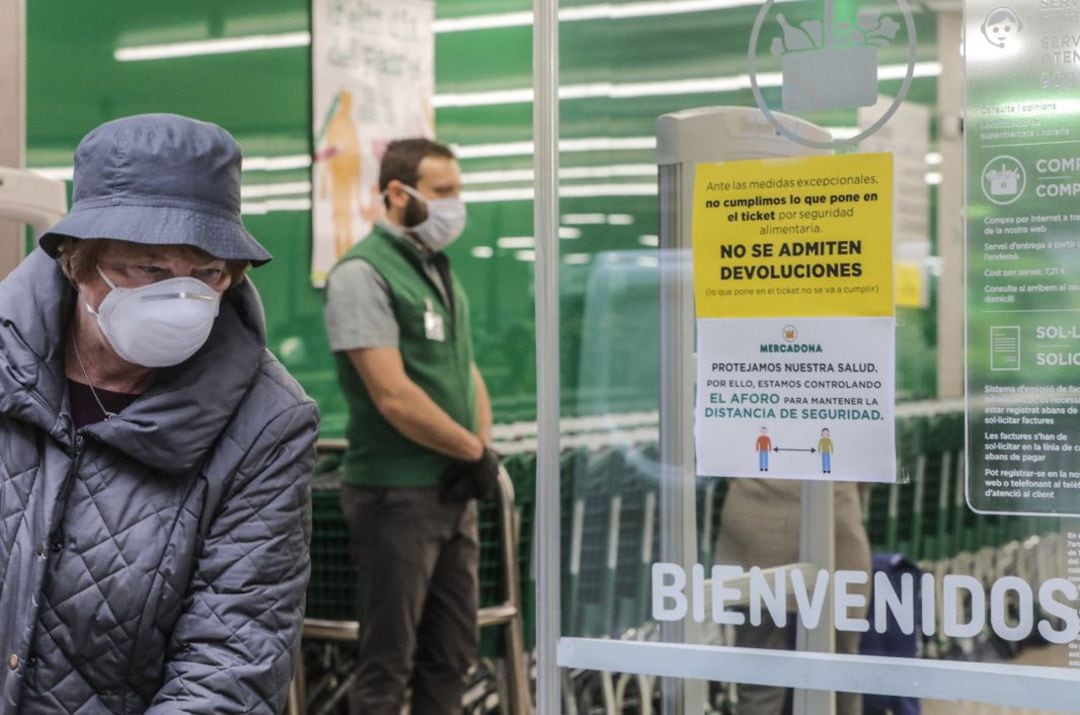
x=1022 y=140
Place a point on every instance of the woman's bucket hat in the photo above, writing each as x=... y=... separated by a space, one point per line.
x=159 y=179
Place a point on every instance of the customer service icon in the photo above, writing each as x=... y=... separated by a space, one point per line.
x=1001 y=27
x=1003 y=180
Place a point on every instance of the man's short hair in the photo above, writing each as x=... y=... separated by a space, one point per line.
x=402 y=160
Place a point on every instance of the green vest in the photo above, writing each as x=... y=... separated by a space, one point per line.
x=377 y=454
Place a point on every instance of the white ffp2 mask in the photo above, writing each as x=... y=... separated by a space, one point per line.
x=158 y=325
x=444 y=223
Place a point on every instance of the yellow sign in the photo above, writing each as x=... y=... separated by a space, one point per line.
x=796 y=237
x=909 y=284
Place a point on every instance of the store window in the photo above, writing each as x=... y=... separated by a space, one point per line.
x=772 y=497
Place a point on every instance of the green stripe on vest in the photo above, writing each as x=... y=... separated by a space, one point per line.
x=379 y=455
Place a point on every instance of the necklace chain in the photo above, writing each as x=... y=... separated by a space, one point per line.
x=108 y=415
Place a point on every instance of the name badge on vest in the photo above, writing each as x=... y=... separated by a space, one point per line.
x=433 y=323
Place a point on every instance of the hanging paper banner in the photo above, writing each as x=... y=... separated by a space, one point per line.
x=374 y=80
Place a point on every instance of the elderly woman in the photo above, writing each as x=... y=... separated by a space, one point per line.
x=154 y=457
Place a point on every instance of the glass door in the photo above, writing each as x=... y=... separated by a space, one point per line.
x=755 y=460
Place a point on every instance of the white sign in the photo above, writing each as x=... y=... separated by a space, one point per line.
x=374 y=80
x=796 y=398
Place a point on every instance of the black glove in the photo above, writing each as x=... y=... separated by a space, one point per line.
x=471 y=480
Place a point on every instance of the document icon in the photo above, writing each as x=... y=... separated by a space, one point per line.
x=1005 y=347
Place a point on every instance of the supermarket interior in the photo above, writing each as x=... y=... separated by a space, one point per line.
x=763 y=238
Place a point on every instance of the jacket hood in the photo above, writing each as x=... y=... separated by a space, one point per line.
x=173 y=425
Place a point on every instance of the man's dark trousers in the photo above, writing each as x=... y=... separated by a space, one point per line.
x=416 y=559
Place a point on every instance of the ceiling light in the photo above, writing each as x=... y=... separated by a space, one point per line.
x=525 y=193
x=611 y=90
x=252 y=163
x=56 y=173
x=224 y=45
x=275 y=205
x=482 y=99
x=590 y=190
x=479 y=151
x=483 y=22
x=257 y=191
x=598 y=11
x=922 y=69
x=584 y=219
x=495 y=196
x=607 y=144
x=511 y=242
x=485 y=151
x=496 y=177
x=571 y=173
x=651 y=9
x=607 y=172
x=482 y=252
x=277 y=163
x=843 y=132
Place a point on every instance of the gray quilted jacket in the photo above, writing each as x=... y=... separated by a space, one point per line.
x=156 y=562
